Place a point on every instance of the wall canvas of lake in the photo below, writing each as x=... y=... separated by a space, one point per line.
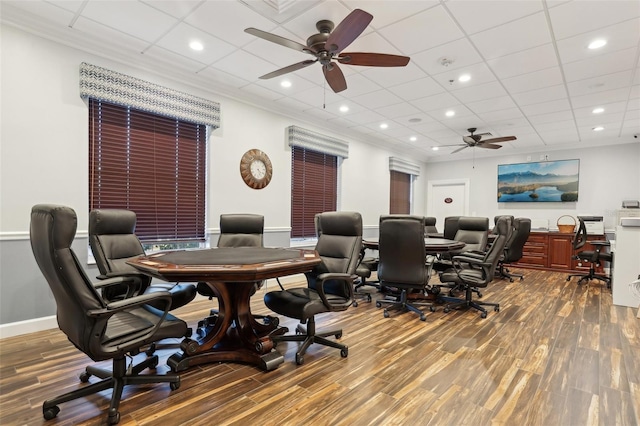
x=539 y=181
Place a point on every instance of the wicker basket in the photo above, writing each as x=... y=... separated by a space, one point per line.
x=564 y=228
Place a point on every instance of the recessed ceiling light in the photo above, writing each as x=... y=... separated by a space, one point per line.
x=415 y=120
x=598 y=129
x=384 y=126
x=598 y=110
x=413 y=138
x=196 y=45
x=450 y=113
x=285 y=83
x=596 y=44
x=344 y=108
x=464 y=77
x=435 y=148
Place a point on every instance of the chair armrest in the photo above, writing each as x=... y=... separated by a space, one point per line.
x=132 y=302
x=347 y=278
x=132 y=281
x=470 y=260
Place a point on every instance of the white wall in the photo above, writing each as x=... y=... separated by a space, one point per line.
x=608 y=175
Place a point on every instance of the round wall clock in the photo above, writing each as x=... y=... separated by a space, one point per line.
x=256 y=169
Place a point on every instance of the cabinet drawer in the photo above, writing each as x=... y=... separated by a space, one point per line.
x=532 y=260
x=541 y=249
x=537 y=239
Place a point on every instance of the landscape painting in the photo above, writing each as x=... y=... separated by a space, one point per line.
x=538 y=181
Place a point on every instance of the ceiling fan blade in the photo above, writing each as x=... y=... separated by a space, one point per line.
x=373 y=59
x=289 y=69
x=335 y=78
x=502 y=139
x=278 y=40
x=460 y=149
x=348 y=30
x=488 y=145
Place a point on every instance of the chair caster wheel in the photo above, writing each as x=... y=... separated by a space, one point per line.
x=385 y=313
x=521 y=278
x=299 y=359
x=369 y=298
x=432 y=309
x=338 y=335
x=355 y=304
x=483 y=315
x=154 y=363
x=114 y=417
x=496 y=309
x=568 y=278
x=151 y=350
x=423 y=317
x=479 y=295
x=84 y=377
x=51 y=412
x=175 y=385
x=344 y=352
x=446 y=310
x=378 y=305
x=510 y=280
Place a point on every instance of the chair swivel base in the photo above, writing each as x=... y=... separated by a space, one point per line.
x=591 y=276
x=403 y=304
x=308 y=336
x=116 y=380
x=455 y=303
x=506 y=273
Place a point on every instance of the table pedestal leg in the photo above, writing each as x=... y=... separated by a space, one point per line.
x=236 y=336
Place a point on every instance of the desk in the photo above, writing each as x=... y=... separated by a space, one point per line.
x=231 y=273
x=432 y=245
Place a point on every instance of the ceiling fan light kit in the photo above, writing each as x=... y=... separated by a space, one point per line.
x=476 y=140
x=327 y=47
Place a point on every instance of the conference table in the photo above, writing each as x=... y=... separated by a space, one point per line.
x=431 y=245
x=232 y=274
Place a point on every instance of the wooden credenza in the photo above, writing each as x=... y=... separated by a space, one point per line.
x=553 y=251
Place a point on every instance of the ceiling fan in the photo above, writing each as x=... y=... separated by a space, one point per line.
x=473 y=140
x=327 y=48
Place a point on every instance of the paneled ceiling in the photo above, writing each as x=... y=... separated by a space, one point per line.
x=532 y=74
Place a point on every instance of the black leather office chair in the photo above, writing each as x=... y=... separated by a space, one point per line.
x=102 y=330
x=514 y=247
x=329 y=285
x=594 y=257
x=472 y=272
x=403 y=261
x=430 y=225
x=237 y=230
x=113 y=241
x=473 y=231
x=450 y=227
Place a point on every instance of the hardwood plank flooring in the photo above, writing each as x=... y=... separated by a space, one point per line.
x=556 y=354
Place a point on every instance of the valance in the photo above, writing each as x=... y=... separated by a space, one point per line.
x=111 y=86
x=403 y=166
x=297 y=136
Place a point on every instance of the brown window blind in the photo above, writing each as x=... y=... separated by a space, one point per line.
x=314 y=182
x=400 y=199
x=151 y=164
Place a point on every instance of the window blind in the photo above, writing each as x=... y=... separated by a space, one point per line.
x=400 y=193
x=314 y=182
x=151 y=164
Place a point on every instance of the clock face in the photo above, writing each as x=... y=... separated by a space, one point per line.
x=256 y=169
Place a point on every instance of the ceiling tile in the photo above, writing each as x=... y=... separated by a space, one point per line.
x=598 y=98
x=244 y=65
x=524 y=62
x=480 y=92
x=417 y=89
x=475 y=16
x=176 y=8
x=393 y=76
x=304 y=25
x=532 y=81
x=388 y=12
x=177 y=40
x=537 y=96
x=600 y=83
x=600 y=66
x=378 y=99
x=126 y=16
x=447 y=57
x=547 y=107
x=577 y=17
x=422 y=31
x=515 y=36
x=493 y=104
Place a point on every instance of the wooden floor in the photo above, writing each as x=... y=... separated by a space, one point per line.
x=556 y=354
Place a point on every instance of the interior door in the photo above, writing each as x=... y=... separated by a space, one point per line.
x=447 y=198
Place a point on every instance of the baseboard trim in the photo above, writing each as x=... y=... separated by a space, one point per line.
x=28 y=326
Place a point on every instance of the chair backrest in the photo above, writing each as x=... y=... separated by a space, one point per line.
x=430 y=225
x=339 y=245
x=52 y=230
x=450 y=227
x=580 y=237
x=519 y=236
x=496 y=250
x=474 y=231
x=402 y=251
x=113 y=240
x=241 y=230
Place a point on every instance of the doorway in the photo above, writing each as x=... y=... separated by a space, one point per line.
x=447 y=198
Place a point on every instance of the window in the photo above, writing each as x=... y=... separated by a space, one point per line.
x=314 y=182
x=151 y=164
x=400 y=193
